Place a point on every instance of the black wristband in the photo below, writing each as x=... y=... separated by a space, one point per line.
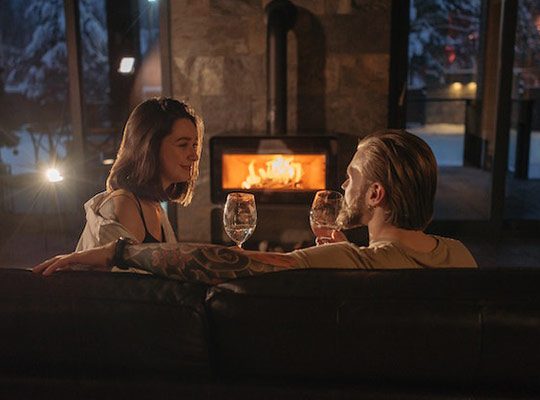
x=118 y=258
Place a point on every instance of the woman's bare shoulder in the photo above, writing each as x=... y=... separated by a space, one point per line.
x=122 y=194
x=124 y=201
x=115 y=200
x=127 y=212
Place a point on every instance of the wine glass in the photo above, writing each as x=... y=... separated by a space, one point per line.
x=323 y=214
x=239 y=216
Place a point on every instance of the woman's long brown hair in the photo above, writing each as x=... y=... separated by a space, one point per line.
x=136 y=168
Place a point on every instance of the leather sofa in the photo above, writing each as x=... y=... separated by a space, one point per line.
x=321 y=334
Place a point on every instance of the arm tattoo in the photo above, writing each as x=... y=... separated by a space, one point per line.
x=205 y=263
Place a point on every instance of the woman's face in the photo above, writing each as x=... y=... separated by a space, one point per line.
x=178 y=152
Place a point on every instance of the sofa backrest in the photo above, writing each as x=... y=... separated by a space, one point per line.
x=101 y=324
x=460 y=326
x=454 y=326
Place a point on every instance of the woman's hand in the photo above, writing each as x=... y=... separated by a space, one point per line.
x=337 y=236
x=98 y=258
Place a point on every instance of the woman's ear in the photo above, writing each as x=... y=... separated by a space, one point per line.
x=376 y=194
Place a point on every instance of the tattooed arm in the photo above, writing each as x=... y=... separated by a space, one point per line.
x=206 y=263
x=200 y=262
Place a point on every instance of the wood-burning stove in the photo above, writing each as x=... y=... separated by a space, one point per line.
x=282 y=171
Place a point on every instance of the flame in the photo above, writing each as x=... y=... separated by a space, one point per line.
x=280 y=172
x=273 y=171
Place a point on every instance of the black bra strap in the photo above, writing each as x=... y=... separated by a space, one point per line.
x=142 y=215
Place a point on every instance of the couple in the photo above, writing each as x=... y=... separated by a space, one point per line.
x=390 y=188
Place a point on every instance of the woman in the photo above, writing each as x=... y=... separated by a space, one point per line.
x=158 y=160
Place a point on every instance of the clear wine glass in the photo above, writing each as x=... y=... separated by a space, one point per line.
x=323 y=214
x=239 y=216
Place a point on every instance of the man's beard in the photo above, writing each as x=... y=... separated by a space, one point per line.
x=350 y=216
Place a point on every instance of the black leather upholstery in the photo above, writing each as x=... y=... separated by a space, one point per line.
x=459 y=326
x=101 y=324
x=448 y=328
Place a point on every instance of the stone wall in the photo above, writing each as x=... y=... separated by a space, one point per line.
x=337 y=74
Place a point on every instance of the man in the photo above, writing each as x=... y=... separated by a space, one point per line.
x=390 y=187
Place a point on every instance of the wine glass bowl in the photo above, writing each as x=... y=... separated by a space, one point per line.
x=239 y=216
x=324 y=213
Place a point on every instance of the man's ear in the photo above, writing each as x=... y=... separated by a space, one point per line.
x=376 y=194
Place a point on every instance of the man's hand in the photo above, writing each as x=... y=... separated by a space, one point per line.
x=98 y=258
x=337 y=236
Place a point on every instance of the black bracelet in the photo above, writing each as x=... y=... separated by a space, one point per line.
x=118 y=258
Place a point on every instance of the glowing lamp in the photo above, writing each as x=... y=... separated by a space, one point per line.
x=456 y=86
x=127 y=65
x=53 y=175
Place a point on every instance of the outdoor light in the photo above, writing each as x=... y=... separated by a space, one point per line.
x=107 y=157
x=456 y=86
x=127 y=65
x=53 y=175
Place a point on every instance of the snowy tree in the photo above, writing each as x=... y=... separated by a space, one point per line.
x=42 y=69
x=527 y=49
x=40 y=74
x=11 y=40
x=94 y=50
x=443 y=38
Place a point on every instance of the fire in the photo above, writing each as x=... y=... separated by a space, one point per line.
x=274 y=171
x=281 y=172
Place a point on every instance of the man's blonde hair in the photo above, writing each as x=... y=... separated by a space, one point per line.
x=406 y=167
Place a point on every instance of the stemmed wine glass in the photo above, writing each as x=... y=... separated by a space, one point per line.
x=323 y=214
x=239 y=216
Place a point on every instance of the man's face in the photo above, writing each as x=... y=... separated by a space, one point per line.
x=354 y=201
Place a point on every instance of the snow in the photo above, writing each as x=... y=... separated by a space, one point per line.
x=438 y=129
x=445 y=140
x=24 y=161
